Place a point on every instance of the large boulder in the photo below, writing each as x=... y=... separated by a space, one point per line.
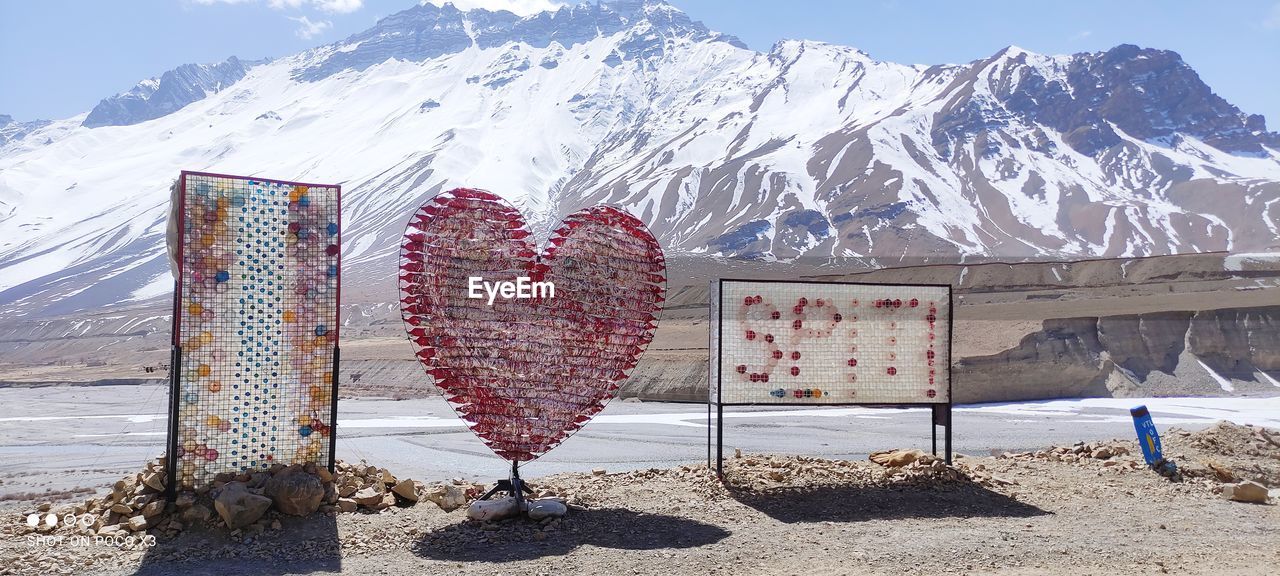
x=896 y=458
x=239 y=507
x=448 y=497
x=547 y=508
x=1247 y=491
x=294 y=491
x=493 y=510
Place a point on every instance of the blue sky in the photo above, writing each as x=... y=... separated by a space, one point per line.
x=59 y=57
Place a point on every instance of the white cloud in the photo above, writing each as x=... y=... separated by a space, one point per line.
x=521 y=7
x=329 y=6
x=338 y=6
x=1273 y=19
x=1081 y=35
x=308 y=29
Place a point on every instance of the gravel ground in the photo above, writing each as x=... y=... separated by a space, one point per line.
x=1052 y=511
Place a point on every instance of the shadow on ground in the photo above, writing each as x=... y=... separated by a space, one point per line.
x=304 y=546
x=855 y=503
x=607 y=528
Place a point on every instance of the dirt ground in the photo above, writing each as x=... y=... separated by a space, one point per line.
x=1083 y=509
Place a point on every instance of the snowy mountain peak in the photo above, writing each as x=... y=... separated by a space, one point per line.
x=811 y=151
x=156 y=97
x=428 y=31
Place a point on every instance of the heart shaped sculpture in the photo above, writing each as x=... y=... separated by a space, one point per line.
x=526 y=370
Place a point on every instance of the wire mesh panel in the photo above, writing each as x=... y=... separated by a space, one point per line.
x=256 y=324
x=827 y=343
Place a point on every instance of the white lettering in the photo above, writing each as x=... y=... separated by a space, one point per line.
x=492 y=289
x=545 y=289
x=523 y=288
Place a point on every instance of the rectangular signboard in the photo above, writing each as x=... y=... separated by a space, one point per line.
x=785 y=342
x=255 y=325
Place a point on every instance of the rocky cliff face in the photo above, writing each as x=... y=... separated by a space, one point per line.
x=1151 y=95
x=173 y=90
x=1165 y=353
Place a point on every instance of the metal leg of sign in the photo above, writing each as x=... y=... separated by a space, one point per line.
x=719 y=441
x=942 y=417
x=948 y=432
x=333 y=415
x=171 y=448
x=514 y=486
x=708 y=432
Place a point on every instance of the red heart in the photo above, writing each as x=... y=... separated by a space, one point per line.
x=524 y=374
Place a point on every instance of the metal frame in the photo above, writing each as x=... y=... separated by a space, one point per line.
x=175 y=364
x=941 y=415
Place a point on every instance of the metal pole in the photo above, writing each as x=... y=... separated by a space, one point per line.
x=933 y=426
x=719 y=381
x=948 y=433
x=171 y=450
x=719 y=440
x=333 y=415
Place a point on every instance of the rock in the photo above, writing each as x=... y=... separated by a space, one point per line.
x=407 y=490
x=347 y=505
x=275 y=525
x=1247 y=491
x=324 y=474
x=1223 y=473
x=347 y=490
x=184 y=500
x=388 y=478
x=153 y=509
x=121 y=509
x=295 y=492
x=492 y=510
x=448 y=497
x=154 y=481
x=138 y=523
x=598 y=471
x=239 y=507
x=1103 y=452
x=196 y=513
x=896 y=458
x=540 y=509
x=388 y=500
x=369 y=497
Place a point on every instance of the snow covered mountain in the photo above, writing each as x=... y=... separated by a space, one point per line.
x=808 y=150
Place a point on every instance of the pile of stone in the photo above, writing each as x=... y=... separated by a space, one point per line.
x=1111 y=454
x=135 y=504
x=916 y=467
x=246 y=503
x=369 y=488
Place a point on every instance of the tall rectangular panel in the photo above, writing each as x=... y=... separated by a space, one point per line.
x=831 y=343
x=256 y=324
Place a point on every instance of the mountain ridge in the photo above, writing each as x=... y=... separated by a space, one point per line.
x=811 y=150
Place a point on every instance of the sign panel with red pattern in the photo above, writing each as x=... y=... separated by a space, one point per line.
x=832 y=343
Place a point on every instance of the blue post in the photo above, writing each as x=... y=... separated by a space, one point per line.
x=1148 y=437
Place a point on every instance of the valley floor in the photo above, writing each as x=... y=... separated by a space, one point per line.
x=1064 y=511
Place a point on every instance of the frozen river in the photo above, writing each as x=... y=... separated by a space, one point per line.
x=63 y=437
